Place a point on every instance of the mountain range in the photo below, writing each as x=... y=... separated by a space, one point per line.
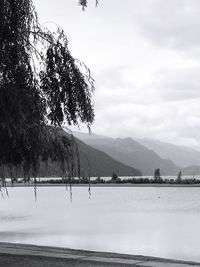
x=98 y=163
x=93 y=162
x=180 y=155
x=146 y=154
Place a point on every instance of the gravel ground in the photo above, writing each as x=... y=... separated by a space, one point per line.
x=36 y=261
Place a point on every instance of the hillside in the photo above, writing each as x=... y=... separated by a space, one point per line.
x=132 y=153
x=93 y=161
x=101 y=164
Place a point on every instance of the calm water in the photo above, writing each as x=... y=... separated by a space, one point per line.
x=160 y=222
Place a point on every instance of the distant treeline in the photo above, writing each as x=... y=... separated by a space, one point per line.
x=157 y=179
x=121 y=181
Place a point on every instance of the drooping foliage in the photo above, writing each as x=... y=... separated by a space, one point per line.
x=41 y=84
x=84 y=3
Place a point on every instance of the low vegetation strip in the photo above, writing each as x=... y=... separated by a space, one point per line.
x=161 y=181
x=157 y=180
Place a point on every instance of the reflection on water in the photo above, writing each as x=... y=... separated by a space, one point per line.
x=150 y=221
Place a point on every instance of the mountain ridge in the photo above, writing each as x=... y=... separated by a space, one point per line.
x=93 y=162
x=180 y=155
x=132 y=153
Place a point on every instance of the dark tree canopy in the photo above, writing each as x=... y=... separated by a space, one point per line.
x=84 y=3
x=157 y=175
x=179 y=177
x=41 y=86
x=114 y=176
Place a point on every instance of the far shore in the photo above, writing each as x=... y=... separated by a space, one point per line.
x=102 y=185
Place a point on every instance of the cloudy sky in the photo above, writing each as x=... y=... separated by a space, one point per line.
x=145 y=58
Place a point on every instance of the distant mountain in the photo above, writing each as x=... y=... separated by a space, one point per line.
x=85 y=136
x=192 y=171
x=180 y=155
x=132 y=153
x=93 y=161
x=101 y=164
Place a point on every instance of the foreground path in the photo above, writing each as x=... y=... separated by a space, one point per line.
x=17 y=255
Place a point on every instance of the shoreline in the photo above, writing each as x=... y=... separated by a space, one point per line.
x=102 y=185
x=13 y=253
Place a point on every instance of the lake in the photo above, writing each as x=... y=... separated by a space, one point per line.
x=153 y=221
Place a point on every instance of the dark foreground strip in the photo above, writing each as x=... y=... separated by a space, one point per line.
x=90 y=256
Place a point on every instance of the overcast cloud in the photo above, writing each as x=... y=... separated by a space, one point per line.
x=145 y=58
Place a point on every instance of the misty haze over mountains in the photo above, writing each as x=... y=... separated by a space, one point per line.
x=146 y=154
x=180 y=155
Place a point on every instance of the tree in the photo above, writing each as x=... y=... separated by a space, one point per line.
x=157 y=175
x=179 y=177
x=114 y=176
x=84 y=3
x=41 y=86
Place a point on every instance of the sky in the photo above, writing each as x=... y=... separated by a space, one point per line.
x=145 y=58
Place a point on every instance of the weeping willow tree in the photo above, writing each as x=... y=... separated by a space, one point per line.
x=84 y=3
x=41 y=87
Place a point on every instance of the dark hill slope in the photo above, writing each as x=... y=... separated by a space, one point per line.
x=92 y=161
x=132 y=153
x=101 y=164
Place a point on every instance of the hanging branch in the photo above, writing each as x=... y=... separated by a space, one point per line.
x=84 y=3
x=40 y=84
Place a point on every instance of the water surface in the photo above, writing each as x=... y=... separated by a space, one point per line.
x=154 y=221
